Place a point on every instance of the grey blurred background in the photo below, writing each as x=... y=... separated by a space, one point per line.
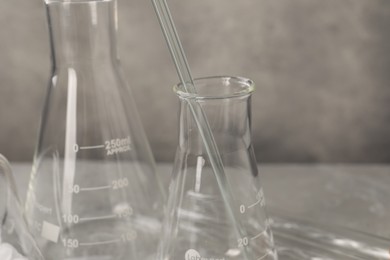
x=322 y=70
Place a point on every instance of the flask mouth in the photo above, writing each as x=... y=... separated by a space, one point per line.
x=217 y=87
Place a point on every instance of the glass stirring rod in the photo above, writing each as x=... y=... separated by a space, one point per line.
x=182 y=67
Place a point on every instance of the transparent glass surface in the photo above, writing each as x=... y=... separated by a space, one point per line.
x=199 y=224
x=16 y=241
x=300 y=239
x=93 y=191
x=329 y=211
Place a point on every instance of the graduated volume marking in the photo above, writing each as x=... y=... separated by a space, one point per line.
x=114 y=241
x=264 y=256
x=260 y=201
x=75 y=243
x=113 y=146
x=243 y=242
x=122 y=213
x=99 y=218
x=96 y=188
x=258 y=235
x=91 y=147
x=116 y=184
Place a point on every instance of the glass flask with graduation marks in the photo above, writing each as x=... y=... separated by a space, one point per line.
x=201 y=223
x=93 y=191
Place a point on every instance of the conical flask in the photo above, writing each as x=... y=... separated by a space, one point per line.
x=93 y=191
x=201 y=223
x=16 y=241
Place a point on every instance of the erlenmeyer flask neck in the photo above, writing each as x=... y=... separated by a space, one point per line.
x=82 y=32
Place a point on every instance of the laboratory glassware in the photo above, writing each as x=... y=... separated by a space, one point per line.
x=200 y=118
x=93 y=192
x=199 y=222
x=16 y=241
x=298 y=239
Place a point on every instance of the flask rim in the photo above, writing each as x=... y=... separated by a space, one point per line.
x=243 y=87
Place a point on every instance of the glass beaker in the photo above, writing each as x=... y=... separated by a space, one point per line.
x=199 y=223
x=16 y=241
x=93 y=191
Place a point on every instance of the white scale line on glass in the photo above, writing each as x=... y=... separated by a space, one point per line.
x=259 y=235
x=254 y=204
x=101 y=243
x=91 y=147
x=264 y=256
x=96 y=188
x=98 y=218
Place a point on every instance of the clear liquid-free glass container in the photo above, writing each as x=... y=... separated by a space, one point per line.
x=93 y=192
x=200 y=223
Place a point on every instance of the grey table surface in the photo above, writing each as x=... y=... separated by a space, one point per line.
x=353 y=196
